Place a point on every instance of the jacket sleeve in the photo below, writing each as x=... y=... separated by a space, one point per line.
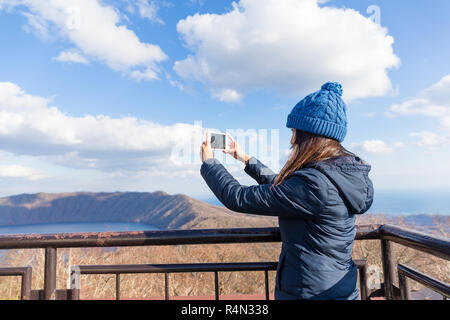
x=293 y=198
x=258 y=171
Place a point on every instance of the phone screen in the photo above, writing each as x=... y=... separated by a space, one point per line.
x=218 y=141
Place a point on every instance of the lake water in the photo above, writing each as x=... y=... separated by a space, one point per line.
x=75 y=227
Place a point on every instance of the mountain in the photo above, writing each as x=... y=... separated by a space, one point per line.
x=158 y=209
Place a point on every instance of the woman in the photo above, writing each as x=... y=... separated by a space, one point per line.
x=317 y=195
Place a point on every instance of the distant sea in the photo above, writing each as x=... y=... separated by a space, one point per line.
x=396 y=202
x=74 y=227
x=425 y=202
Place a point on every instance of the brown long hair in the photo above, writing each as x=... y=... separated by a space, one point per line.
x=306 y=148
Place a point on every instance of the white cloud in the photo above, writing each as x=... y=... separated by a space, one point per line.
x=96 y=31
x=369 y=114
x=37 y=25
x=175 y=83
x=376 y=146
x=290 y=46
x=145 y=75
x=433 y=102
x=398 y=145
x=149 y=10
x=196 y=2
x=71 y=56
x=429 y=139
x=17 y=171
x=227 y=95
x=30 y=125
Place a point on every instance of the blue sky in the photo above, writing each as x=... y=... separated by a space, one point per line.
x=95 y=94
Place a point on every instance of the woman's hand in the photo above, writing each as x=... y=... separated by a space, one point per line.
x=235 y=150
x=206 y=150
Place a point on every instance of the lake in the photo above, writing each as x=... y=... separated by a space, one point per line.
x=75 y=227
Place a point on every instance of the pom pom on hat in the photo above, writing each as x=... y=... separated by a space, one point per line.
x=333 y=86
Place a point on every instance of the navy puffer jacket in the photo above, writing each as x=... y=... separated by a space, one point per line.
x=316 y=207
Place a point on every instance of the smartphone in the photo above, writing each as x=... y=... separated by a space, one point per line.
x=218 y=140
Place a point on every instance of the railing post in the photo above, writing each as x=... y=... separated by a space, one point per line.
x=363 y=279
x=166 y=285
x=387 y=257
x=50 y=274
x=117 y=286
x=266 y=284
x=25 y=293
x=216 y=284
x=403 y=283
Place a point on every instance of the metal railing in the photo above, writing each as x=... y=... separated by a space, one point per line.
x=25 y=273
x=405 y=273
x=438 y=247
x=117 y=270
x=388 y=234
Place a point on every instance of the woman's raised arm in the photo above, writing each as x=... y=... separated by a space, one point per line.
x=253 y=167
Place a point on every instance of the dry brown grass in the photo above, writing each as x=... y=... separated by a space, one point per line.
x=194 y=284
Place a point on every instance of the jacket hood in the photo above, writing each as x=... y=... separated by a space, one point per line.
x=350 y=175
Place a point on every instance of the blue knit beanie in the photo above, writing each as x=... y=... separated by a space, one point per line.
x=322 y=112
